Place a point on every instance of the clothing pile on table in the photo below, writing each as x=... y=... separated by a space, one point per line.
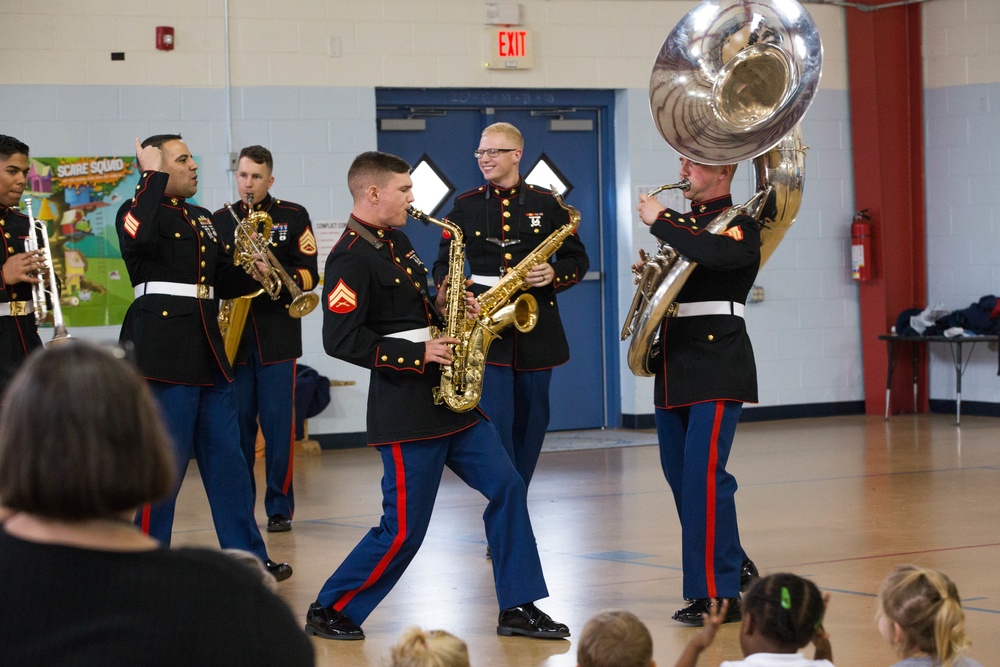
x=980 y=318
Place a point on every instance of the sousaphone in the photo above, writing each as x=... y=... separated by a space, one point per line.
x=731 y=82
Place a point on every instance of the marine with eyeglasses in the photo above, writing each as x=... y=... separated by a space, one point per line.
x=504 y=221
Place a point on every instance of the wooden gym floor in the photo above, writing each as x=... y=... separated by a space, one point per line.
x=839 y=500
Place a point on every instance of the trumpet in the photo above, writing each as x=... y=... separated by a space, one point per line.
x=47 y=285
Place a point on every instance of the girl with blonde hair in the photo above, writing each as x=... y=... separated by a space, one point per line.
x=920 y=615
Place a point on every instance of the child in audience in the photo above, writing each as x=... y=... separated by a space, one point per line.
x=615 y=638
x=431 y=648
x=920 y=615
x=782 y=613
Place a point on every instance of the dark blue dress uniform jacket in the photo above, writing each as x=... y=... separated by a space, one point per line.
x=708 y=357
x=18 y=333
x=164 y=238
x=528 y=213
x=279 y=336
x=367 y=295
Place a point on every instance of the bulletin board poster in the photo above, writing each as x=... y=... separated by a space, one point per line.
x=78 y=198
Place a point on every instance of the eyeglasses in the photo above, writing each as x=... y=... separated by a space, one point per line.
x=492 y=152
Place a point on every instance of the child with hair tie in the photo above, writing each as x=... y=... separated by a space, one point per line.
x=782 y=613
x=920 y=615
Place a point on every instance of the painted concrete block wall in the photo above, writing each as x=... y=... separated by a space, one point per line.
x=962 y=107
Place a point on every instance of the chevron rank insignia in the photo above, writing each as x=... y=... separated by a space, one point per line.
x=342 y=299
x=307 y=243
x=735 y=233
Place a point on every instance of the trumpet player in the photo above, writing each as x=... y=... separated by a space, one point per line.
x=271 y=340
x=704 y=373
x=21 y=270
x=178 y=267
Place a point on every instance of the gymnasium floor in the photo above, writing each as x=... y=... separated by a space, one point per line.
x=839 y=500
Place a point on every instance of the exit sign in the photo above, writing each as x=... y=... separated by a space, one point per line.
x=509 y=47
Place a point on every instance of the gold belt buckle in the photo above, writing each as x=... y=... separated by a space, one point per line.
x=18 y=308
x=201 y=291
x=672 y=309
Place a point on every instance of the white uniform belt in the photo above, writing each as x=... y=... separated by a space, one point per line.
x=16 y=308
x=175 y=289
x=421 y=335
x=488 y=281
x=705 y=308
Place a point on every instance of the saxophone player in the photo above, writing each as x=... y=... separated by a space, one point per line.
x=270 y=340
x=376 y=314
x=18 y=327
x=503 y=221
x=704 y=373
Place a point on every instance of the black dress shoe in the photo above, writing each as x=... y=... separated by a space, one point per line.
x=280 y=571
x=278 y=523
x=692 y=614
x=331 y=624
x=748 y=575
x=528 y=620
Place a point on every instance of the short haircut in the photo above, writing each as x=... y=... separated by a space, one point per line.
x=507 y=130
x=159 y=139
x=10 y=146
x=373 y=168
x=786 y=609
x=258 y=154
x=81 y=436
x=430 y=648
x=926 y=605
x=614 y=638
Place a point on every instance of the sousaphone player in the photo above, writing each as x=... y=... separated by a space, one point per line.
x=745 y=103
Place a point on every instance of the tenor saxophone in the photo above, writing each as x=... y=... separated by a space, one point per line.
x=461 y=384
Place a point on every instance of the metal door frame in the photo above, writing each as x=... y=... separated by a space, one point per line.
x=603 y=102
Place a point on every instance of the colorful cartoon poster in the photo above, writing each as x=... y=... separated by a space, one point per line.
x=78 y=198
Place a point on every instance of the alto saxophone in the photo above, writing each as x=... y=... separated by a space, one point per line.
x=461 y=384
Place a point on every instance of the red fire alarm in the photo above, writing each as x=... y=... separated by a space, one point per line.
x=164 y=38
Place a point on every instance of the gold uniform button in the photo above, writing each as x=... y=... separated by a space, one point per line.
x=506 y=228
x=506 y=214
x=506 y=202
x=496 y=192
x=6 y=235
x=409 y=270
x=400 y=360
x=416 y=284
x=174 y=201
x=177 y=235
x=202 y=279
x=508 y=256
x=397 y=281
x=381 y=234
x=667 y=214
x=202 y=263
x=416 y=362
x=478 y=232
x=10 y=249
x=385 y=358
x=397 y=259
x=537 y=230
x=164 y=313
x=711 y=337
x=203 y=248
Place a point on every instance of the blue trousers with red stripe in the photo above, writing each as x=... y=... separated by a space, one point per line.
x=517 y=402
x=267 y=392
x=202 y=420
x=410 y=480
x=695 y=442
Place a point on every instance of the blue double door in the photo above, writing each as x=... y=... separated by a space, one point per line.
x=442 y=128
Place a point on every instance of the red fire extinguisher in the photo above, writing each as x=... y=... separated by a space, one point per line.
x=861 y=246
